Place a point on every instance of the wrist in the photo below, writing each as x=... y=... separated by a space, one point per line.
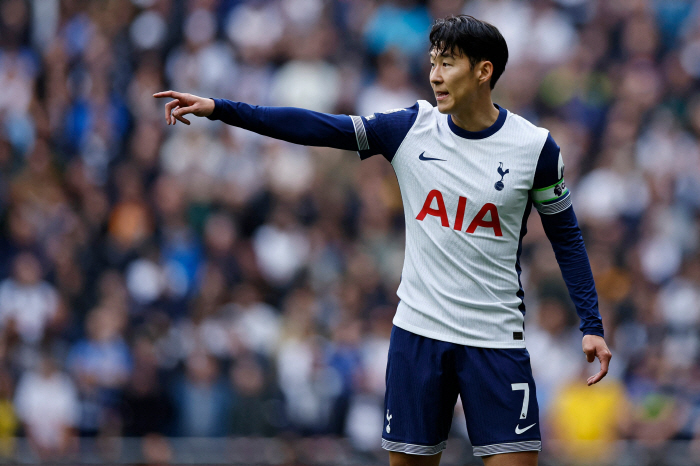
x=210 y=106
x=210 y=109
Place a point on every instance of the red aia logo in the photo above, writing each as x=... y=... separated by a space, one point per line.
x=478 y=221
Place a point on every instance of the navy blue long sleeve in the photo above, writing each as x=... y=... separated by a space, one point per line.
x=552 y=199
x=295 y=125
x=570 y=251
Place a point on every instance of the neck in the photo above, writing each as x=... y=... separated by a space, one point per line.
x=477 y=114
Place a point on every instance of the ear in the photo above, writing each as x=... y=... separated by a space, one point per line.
x=484 y=70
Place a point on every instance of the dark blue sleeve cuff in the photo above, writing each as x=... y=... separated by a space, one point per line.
x=598 y=332
x=216 y=114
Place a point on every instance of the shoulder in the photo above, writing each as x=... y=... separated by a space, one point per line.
x=426 y=106
x=390 y=123
x=427 y=116
x=541 y=145
x=396 y=115
x=550 y=165
x=426 y=109
x=383 y=132
x=521 y=124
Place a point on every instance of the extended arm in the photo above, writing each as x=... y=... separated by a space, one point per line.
x=294 y=125
x=381 y=133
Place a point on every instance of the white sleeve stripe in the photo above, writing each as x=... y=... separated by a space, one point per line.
x=551 y=209
x=360 y=133
x=527 y=445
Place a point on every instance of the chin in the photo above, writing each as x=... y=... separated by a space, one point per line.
x=444 y=107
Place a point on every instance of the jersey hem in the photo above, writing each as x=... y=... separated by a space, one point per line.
x=458 y=341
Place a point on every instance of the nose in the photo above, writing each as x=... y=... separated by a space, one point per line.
x=435 y=76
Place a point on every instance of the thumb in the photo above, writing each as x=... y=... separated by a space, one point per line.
x=589 y=351
x=590 y=355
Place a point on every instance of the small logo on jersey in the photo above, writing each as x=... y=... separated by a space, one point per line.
x=558 y=189
x=423 y=157
x=499 y=184
x=519 y=431
x=388 y=418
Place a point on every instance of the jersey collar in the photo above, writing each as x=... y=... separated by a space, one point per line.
x=484 y=133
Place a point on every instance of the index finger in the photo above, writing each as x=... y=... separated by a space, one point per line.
x=173 y=94
x=604 y=363
x=596 y=378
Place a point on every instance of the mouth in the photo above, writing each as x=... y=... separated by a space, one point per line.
x=441 y=95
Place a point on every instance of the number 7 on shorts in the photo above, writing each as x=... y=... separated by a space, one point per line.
x=526 y=399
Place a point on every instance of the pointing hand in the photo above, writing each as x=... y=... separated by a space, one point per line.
x=185 y=104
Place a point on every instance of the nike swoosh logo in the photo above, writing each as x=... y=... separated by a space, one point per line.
x=519 y=431
x=422 y=157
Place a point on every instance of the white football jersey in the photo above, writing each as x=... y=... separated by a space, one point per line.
x=466 y=197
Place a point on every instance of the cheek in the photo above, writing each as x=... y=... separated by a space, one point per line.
x=463 y=86
x=456 y=88
x=455 y=80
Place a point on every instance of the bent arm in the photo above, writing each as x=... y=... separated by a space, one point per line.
x=295 y=125
x=552 y=199
x=565 y=235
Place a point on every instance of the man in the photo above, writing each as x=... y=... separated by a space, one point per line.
x=469 y=172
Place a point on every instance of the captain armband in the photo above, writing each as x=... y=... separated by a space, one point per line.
x=552 y=199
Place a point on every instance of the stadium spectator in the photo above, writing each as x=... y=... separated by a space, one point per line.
x=9 y=422
x=100 y=364
x=253 y=412
x=27 y=302
x=146 y=408
x=46 y=401
x=202 y=398
x=202 y=237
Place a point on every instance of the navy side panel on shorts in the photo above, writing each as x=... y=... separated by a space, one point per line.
x=424 y=377
x=421 y=393
x=499 y=398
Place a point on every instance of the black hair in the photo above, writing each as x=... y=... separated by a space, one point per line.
x=476 y=39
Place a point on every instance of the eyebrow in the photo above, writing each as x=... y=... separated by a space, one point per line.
x=443 y=54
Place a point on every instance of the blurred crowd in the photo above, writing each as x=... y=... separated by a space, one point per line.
x=204 y=281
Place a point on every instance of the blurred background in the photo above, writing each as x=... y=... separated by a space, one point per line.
x=202 y=294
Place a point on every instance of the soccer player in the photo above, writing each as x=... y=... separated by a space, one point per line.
x=469 y=173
